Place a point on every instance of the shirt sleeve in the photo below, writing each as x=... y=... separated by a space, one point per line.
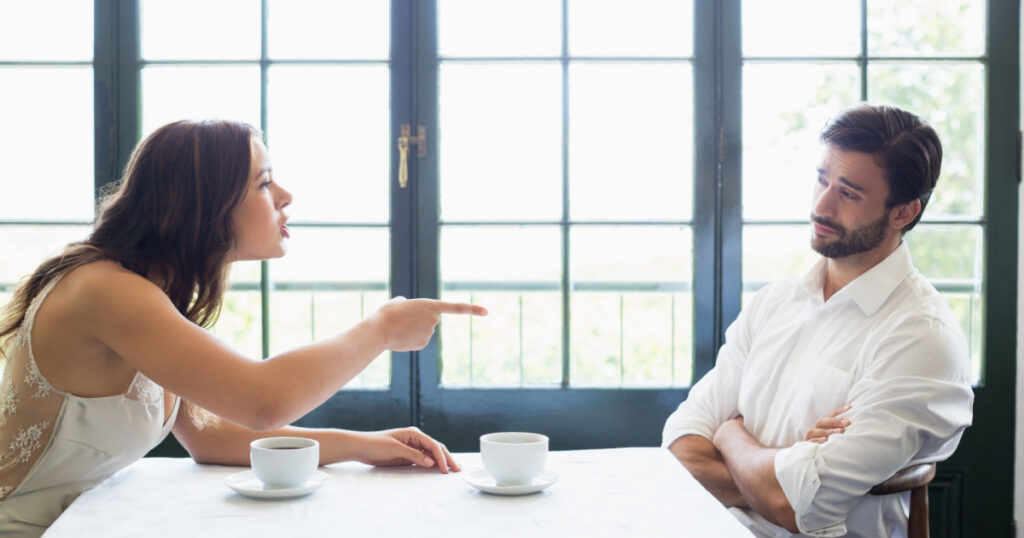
x=911 y=406
x=715 y=398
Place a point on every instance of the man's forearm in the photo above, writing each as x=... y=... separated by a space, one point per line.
x=704 y=462
x=752 y=467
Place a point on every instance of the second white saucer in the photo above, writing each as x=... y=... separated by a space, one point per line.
x=483 y=481
x=247 y=484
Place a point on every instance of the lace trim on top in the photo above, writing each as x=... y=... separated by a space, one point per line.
x=30 y=405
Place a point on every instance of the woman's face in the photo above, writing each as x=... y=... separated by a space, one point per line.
x=259 y=220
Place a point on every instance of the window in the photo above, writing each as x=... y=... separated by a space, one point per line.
x=46 y=141
x=926 y=57
x=611 y=178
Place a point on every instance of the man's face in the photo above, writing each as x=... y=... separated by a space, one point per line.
x=848 y=214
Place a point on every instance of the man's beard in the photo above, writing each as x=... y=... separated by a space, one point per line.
x=850 y=242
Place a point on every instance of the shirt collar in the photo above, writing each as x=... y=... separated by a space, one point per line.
x=871 y=289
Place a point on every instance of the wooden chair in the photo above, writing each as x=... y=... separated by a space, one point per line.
x=915 y=479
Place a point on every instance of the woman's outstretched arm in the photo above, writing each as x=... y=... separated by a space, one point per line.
x=136 y=320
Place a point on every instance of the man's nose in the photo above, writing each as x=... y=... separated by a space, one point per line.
x=824 y=201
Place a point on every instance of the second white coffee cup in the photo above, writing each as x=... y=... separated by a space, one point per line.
x=513 y=458
x=284 y=462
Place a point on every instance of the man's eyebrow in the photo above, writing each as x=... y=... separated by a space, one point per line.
x=851 y=184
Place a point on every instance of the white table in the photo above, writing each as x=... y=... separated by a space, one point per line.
x=616 y=492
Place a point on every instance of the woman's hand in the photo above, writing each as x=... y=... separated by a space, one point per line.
x=828 y=425
x=404 y=446
x=408 y=324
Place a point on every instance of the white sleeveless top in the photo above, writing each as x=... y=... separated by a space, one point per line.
x=54 y=445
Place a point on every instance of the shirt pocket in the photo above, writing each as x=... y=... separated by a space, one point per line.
x=829 y=390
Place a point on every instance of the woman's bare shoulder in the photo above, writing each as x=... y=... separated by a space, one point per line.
x=105 y=282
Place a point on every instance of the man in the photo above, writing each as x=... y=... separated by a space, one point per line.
x=829 y=384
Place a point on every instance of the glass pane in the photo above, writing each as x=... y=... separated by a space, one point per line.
x=46 y=143
x=773 y=253
x=298 y=318
x=505 y=164
x=516 y=273
x=330 y=280
x=631 y=162
x=631 y=304
x=781 y=124
x=322 y=29
x=331 y=153
x=952 y=101
x=353 y=255
x=651 y=28
x=54 y=30
x=29 y=246
x=470 y=28
x=801 y=28
x=951 y=257
x=926 y=27
x=200 y=30
x=239 y=323
x=172 y=93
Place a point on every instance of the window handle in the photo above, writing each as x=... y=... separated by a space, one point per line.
x=404 y=139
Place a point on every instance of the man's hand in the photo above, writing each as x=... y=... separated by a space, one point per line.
x=828 y=425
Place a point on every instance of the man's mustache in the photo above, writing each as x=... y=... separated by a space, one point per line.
x=840 y=230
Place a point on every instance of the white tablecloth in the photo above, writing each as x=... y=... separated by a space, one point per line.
x=640 y=492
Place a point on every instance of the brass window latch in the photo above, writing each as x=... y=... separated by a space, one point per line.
x=404 y=139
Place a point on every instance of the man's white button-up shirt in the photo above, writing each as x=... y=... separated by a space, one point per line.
x=887 y=345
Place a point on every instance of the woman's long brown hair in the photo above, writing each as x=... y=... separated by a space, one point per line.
x=169 y=216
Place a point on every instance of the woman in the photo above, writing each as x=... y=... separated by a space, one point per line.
x=105 y=344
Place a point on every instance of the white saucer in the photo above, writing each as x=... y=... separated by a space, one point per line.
x=482 y=480
x=247 y=484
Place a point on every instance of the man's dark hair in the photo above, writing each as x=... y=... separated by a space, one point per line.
x=906 y=148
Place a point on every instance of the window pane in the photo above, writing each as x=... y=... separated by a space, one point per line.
x=28 y=246
x=240 y=318
x=46 y=143
x=330 y=280
x=952 y=102
x=239 y=322
x=801 y=28
x=631 y=162
x=781 y=124
x=773 y=253
x=505 y=164
x=321 y=29
x=200 y=30
x=470 y=28
x=337 y=174
x=951 y=258
x=54 y=30
x=298 y=318
x=651 y=28
x=353 y=255
x=172 y=93
x=631 y=304
x=514 y=272
x=926 y=27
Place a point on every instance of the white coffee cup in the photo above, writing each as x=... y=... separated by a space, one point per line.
x=284 y=462
x=513 y=458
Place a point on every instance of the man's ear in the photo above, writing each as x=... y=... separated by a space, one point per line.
x=904 y=214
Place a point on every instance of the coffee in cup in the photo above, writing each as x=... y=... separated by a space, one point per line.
x=284 y=462
x=513 y=458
